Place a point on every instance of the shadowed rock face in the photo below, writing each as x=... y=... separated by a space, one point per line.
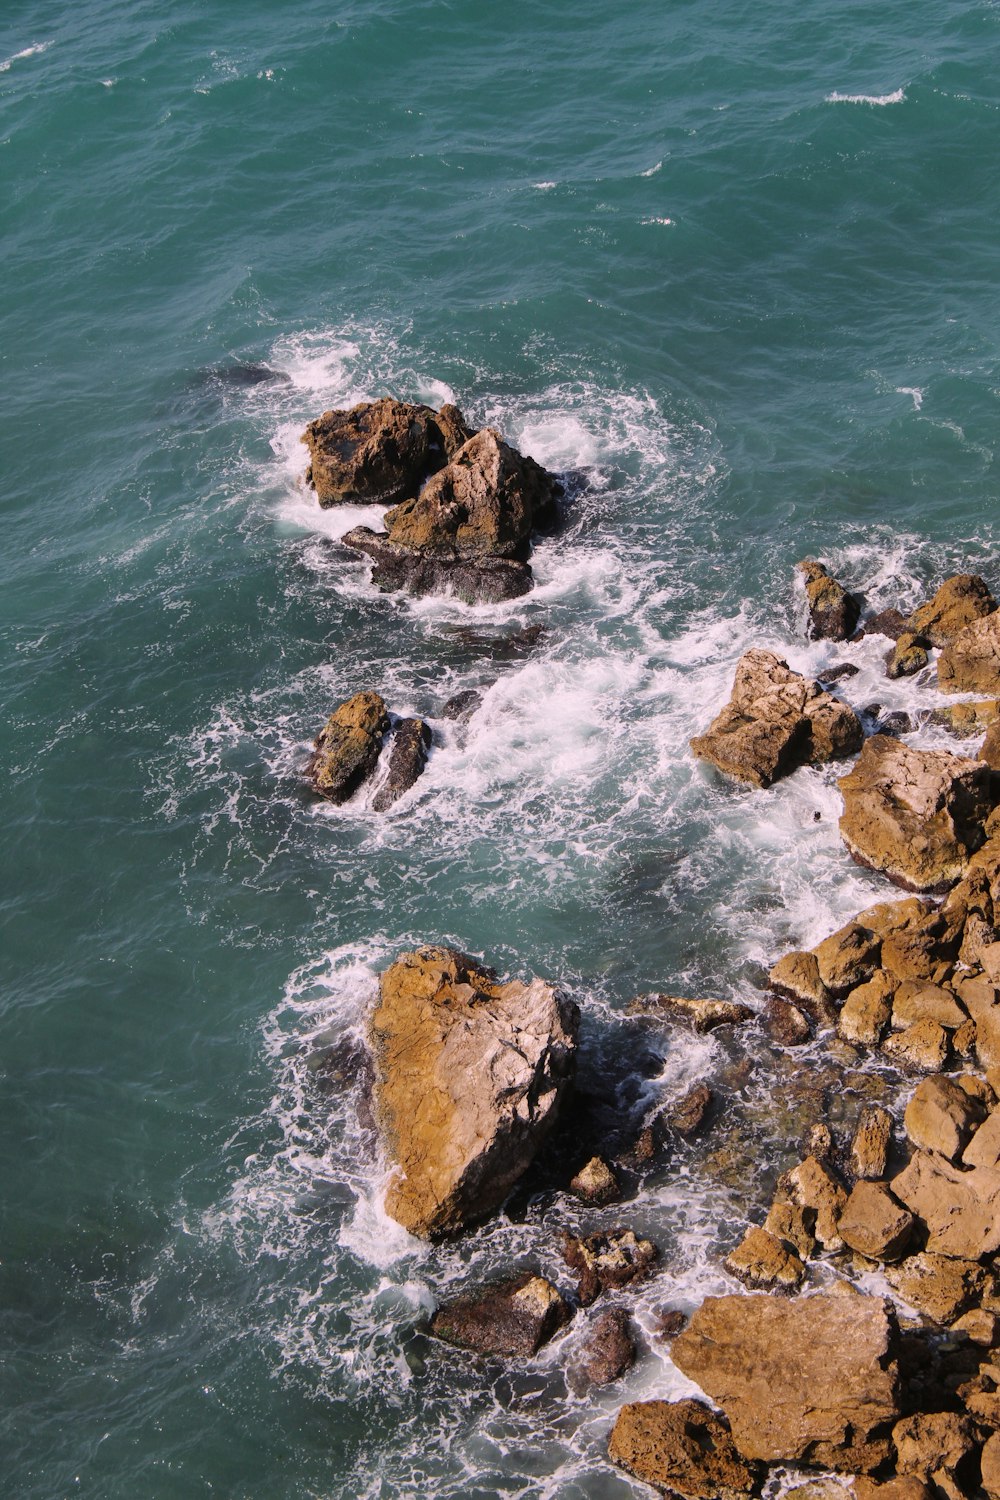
x=470 y=1074
x=511 y=1318
x=379 y=452
x=812 y=1380
x=410 y=746
x=918 y=815
x=775 y=722
x=833 y=612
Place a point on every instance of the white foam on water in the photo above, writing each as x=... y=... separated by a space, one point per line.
x=651 y=171
x=656 y=221
x=34 y=50
x=914 y=392
x=544 y=187
x=896 y=97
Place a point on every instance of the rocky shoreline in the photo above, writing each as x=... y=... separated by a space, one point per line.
x=471 y=1082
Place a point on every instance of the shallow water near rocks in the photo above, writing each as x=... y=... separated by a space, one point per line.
x=729 y=269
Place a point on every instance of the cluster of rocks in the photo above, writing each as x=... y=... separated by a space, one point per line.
x=464 y=504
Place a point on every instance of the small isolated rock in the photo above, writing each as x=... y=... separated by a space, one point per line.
x=608 y=1260
x=408 y=751
x=682 y=1448
x=939 y=1286
x=762 y=1262
x=848 y=957
x=461 y=706
x=888 y=622
x=833 y=612
x=806 y=1379
x=606 y=1352
x=979 y=1327
x=775 y=722
x=941 y=1116
x=703 y=1015
x=870 y=1145
x=865 y=1015
x=347 y=748
x=688 y=1114
x=970 y=663
x=917 y=815
x=786 y=1024
x=796 y=977
x=874 y=1224
x=960 y=1209
x=813 y=1185
x=958 y=602
x=921 y=1048
x=907 y=657
x=596 y=1183
x=513 y=1318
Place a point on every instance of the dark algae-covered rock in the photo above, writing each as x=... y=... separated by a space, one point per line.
x=348 y=746
x=512 y=1318
x=833 y=612
x=408 y=751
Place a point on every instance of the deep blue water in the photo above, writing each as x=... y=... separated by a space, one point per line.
x=737 y=262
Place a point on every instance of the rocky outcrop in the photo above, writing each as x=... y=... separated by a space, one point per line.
x=608 y=1260
x=683 y=1449
x=379 y=452
x=408 y=751
x=469 y=528
x=812 y=1380
x=958 y=602
x=970 y=663
x=347 y=748
x=762 y=1261
x=939 y=1286
x=774 y=722
x=833 y=612
x=916 y=815
x=441 y=1020
x=511 y=1318
x=874 y=1224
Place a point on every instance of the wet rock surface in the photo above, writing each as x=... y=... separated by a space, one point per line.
x=512 y=1319
x=347 y=748
x=607 y=1350
x=833 y=612
x=441 y=1019
x=408 y=751
x=378 y=452
x=608 y=1260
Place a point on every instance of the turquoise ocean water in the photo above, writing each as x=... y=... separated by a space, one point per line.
x=735 y=266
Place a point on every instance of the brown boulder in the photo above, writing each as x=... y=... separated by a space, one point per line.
x=812 y=1185
x=865 y=1014
x=441 y=1020
x=920 y=1048
x=907 y=657
x=683 y=1449
x=761 y=1262
x=917 y=1001
x=794 y=1225
x=939 y=1286
x=960 y=1209
x=408 y=750
x=774 y=722
x=596 y=1183
x=982 y=1001
x=917 y=815
x=607 y=1351
x=687 y=1115
x=810 y=1380
x=511 y=1318
x=607 y=1260
x=833 y=612
x=871 y=1142
x=796 y=977
x=483 y=580
x=900 y=1487
x=984 y=1148
x=848 y=957
x=347 y=748
x=874 y=1224
x=967 y=719
x=971 y=662
x=786 y=1024
x=932 y=1446
x=990 y=1462
x=380 y=451
x=940 y=1116
x=958 y=602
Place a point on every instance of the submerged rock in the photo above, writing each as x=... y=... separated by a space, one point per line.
x=833 y=612
x=917 y=815
x=596 y=1183
x=379 y=452
x=408 y=751
x=442 y=1020
x=683 y=1449
x=812 y=1380
x=486 y=580
x=775 y=722
x=511 y=1318
x=347 y=748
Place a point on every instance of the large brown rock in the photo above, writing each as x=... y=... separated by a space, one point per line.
x=761 y=1261
x=958 y=602
x=848 y=957
x=932 y=1446
x=939 y=1286
x=833 y=612
x=470 y=1074
x=812 y=1380
x=347 y=748
x=774 y=722
x=991 y=1466
x=971 y=662
x=683 y=1449
x=510 y=1318
x=941 y=1116
x=379 y=452
x=960 y=1209
x=917 y=815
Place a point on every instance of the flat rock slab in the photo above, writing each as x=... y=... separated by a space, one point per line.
x=511 y=1318
x=811 y=1380
x=683 y=1449
x=776 y=721
x=916 y=815
x=469 y=1077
